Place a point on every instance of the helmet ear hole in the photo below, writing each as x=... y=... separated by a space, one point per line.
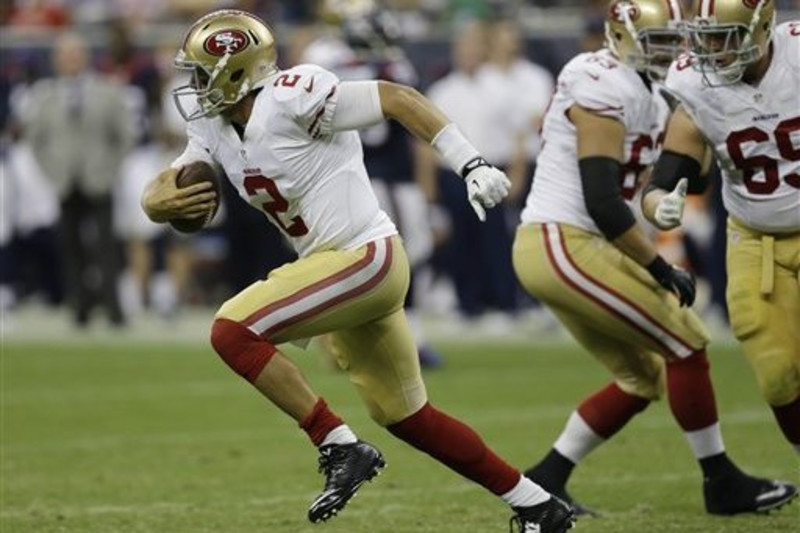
x=237 y=75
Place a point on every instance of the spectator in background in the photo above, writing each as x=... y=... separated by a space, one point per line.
x=80 y=130
x=477 y=255
x=519 y=91
x=30 y=214
x=29 y=207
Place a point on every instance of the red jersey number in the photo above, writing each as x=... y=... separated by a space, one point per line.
x=750 y=166
x=287 y=80
x=276 y=206
x=634 y=167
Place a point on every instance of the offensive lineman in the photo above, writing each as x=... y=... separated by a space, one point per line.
x=285 y=140
x=580 y=251
x=738 y=94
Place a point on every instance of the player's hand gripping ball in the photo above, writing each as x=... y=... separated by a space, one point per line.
x=191 y=174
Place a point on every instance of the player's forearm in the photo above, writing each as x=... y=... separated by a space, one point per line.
x=517 y=169
x=635 y=244
x=411 y=109
x=425 y=170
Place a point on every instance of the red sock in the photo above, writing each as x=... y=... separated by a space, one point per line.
x=608 y=410
x=458 y=447
x=691 y=394
x=788 y=417
x=320 y=422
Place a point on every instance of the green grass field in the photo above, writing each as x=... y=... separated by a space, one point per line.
x=105 y=437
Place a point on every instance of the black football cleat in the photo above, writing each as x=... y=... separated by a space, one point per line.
x=552 y=516
x=736 y=493
x=346 y=468
x=539 y=476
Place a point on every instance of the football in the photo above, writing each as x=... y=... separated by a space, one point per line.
x=197 y=172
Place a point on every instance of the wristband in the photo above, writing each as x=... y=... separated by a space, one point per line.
x=472 y=164
x=670 y=168
x=454 y=148
x=659 y=268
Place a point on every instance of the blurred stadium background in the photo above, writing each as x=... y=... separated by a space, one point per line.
x=127 y=422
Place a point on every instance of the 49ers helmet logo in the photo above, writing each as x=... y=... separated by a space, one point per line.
x=752 y=4
x=226 y=42
x=619 y=9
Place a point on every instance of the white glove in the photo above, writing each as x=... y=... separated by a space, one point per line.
x=486 y=187
x=669 y=210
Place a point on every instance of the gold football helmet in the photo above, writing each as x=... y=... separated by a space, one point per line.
x=725 y=36
x=645 y=34
x=228 y=52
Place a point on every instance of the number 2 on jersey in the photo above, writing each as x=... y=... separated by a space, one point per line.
x=276 y=206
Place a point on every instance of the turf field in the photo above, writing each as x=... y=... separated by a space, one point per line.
x=102 y=437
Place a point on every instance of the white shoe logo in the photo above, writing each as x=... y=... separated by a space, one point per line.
x=777 y=493
x=532 y=528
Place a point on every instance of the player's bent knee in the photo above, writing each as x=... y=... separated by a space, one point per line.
x=779 y=383
x=242 y=350
x=646 y=380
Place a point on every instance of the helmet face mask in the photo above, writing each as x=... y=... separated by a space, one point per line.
x=197 y=98
x=645 y=34
x=659 y=48
x=227 y=54
x=726 y=37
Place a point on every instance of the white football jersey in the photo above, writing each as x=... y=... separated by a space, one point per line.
x=755 y=134
x=314 y=188
x=600 y=83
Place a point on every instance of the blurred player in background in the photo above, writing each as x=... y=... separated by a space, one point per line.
x=475 y=255
x=366 y=49
x=580 y=250
x=738 y=93
x=285 y=139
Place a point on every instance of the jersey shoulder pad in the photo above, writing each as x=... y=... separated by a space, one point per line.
x=596 y=81
x=303 y=88
x=682 y=79
x=306 y=94
x=787 y=42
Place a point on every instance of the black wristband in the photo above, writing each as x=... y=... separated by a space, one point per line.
x=659 y=268
x=472 y=164
x=671 y=167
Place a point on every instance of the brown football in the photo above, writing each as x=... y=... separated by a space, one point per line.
x=193 y=173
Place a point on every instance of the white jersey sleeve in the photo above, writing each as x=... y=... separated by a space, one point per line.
x=198 y=147
x=593 y=83
x=314 y=105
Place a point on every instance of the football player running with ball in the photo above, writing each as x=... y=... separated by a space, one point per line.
x=738 y=90
x=286 y=141
x=580 y=250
